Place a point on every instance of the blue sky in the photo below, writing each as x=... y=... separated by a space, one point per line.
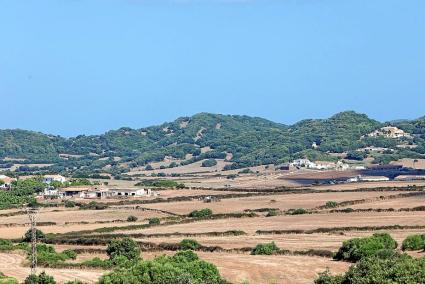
x=86 y=66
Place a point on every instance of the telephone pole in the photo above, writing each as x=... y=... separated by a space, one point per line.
x=32 y=214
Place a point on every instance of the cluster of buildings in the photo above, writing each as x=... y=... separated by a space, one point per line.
x=92 y=192
x=389 y=132
x=306 y=163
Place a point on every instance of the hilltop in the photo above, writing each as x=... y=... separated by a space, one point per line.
x=245 y=141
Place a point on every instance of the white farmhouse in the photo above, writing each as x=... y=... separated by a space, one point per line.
x=51 y=178
x=6 y=182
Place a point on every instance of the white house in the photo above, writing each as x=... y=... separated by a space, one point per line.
x=131 y=192
x=51 y=178
x=303 y=163
x=6 y=182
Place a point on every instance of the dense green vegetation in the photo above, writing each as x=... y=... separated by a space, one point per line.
x=414 y=242
x=123 y=248
x=41 y=278
x=392 y=269
x=7 y=280
x=358 y=248
x=206 y=212
x=209 y=163
x=160 y=183
x=183 y=267
x=265 y=249
x=252 y=141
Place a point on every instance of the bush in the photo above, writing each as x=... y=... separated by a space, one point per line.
x=298 y=211
x=131 y=218
x=272 y=213
x=69 y=204
x=395 y=269
x=331 y=204
x=70 y=254
x=206 y=212
x=39 y=235
x=209 y=163
x=182 y=268
x=148 y=168
x=154 y=221
x=42 y=278
x=414 y=242
x=189 y=244
x=265 y=249
x=6 y=245
x=358 y=248
x=7 y=280
x=125 y=247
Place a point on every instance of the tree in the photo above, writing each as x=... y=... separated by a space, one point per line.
x=358 y=248
x=413 y=242
x=182 y=268
x=375 y=269
x=209 y=163
x=131 y=218
x=38 y=233
x=42 y=278
x=189 y=244
x=265 y=249
x=125 y=247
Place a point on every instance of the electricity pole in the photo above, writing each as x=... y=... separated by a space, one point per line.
x=32 y=214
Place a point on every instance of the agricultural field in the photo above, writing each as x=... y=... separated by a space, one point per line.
x=235 y=224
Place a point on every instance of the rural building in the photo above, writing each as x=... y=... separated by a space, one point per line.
x=389 y=132
x=97 y=193
x=303 y=163
x=283 y=167
x=410 y=177
x=361 y=178
x=74 y=192
x=51 y=193
x=51 y=178
x=131 y=192
x=6 y=182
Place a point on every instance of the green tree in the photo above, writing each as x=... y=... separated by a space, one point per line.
x=125 y=247
x=42 y=278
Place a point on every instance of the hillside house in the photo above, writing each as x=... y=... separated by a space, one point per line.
x=51 y=193
x=303 y=163
x=389 y=132
x=6 y=182
x=51 y=178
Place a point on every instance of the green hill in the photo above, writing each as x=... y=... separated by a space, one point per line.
x=250 y=140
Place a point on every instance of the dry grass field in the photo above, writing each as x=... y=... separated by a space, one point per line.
x=235 y=264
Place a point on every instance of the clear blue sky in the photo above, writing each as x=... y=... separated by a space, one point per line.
x=86 y=66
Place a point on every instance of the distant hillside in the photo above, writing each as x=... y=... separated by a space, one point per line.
x=250 y=140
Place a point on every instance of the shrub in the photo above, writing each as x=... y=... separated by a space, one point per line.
x=331 y=204
x=209 y=163
x=42 y=278
x=298 y=211
x=265 y=249
x=148 y=168
x=414 y=242
x=358 y=248
x=69 y=204
x=6 y=245
x=7 y=280
x=154 y=221
x=189 y=244
x=131 y=218
x=181 y=268
x=395 y=269
x=272 y=213
x=39 y=235
x=70 y=254
x=206 y=212
x=125 y=247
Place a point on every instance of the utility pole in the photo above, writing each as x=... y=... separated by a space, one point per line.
x=32 y=214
